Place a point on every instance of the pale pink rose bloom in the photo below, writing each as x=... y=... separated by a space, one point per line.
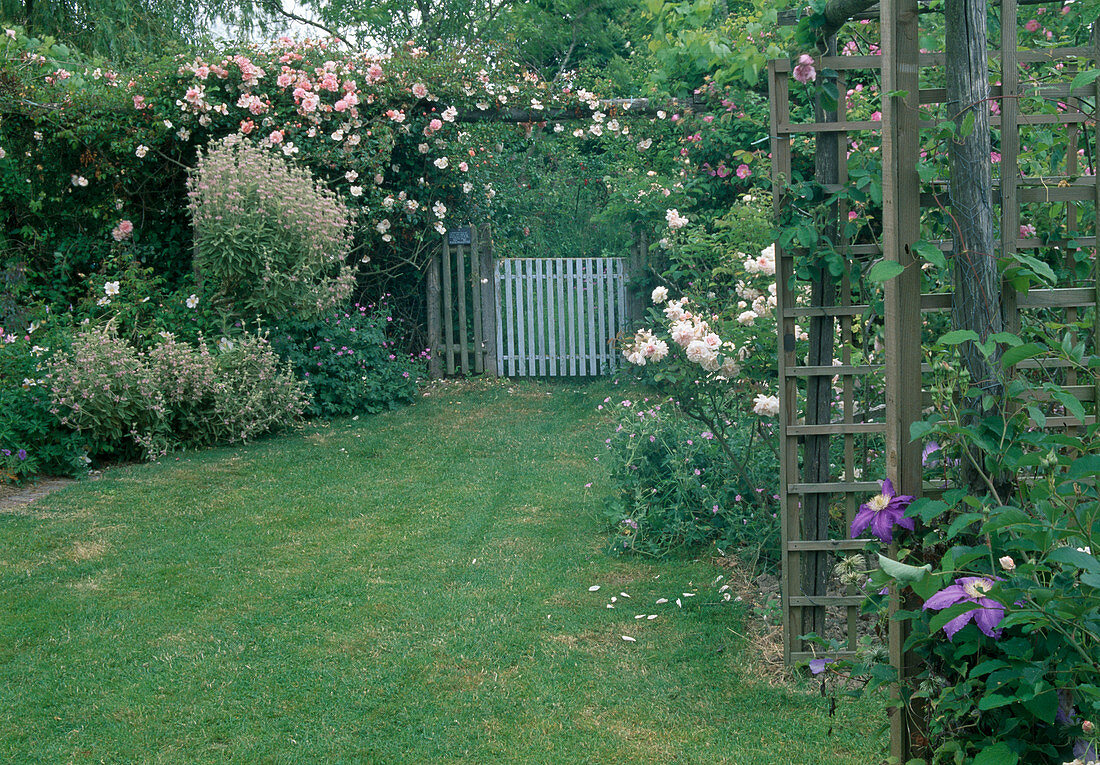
x=804 y=71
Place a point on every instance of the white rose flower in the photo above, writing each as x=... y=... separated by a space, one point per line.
x=766 y=406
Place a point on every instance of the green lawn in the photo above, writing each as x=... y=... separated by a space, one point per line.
x=406 y=588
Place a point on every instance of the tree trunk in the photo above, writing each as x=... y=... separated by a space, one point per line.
x=976 y=299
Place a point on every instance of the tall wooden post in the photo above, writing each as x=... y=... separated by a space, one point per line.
x=639 y=255
x=435 y=337
x=483 y=251
x=901 y=228
x=819 y=389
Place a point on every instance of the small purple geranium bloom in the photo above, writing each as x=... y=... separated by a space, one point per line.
x=817 y=666
x=882 y=512
x=970 y=589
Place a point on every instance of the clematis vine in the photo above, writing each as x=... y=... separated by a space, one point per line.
x=970 y=589
x=881 y=513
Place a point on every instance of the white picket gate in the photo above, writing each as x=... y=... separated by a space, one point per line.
x=559 y=316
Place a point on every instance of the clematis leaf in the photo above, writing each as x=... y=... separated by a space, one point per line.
x=903 y=572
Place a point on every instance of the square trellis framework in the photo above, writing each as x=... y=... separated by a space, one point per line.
x=863 y=422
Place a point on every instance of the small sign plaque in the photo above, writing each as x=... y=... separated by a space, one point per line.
x=460 y=235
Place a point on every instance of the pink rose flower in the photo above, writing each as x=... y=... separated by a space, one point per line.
x=804 y=71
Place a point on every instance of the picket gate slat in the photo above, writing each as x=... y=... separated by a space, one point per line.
x=601 y=309
x=529 y=319
x=593 y=341
x=540 y=284
x=498 y=271
x=509 y=316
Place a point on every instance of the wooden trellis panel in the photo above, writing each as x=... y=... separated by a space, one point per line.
x=861 y=421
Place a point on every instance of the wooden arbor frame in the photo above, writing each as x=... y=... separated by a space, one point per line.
x=812 y=482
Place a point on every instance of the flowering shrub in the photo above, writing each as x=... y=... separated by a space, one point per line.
x=31 y=438
x=103 y=389
x=270 y=238
x=124 y=400
x=676 y=488
x=712 y=361
x=349 y=361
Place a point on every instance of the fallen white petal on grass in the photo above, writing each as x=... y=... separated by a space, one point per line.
x=723 y=588
x=614 y=599
x=593 y=588
x=689 y=594
x=661 y=600
x=628 y=639
x=679 y=604
x=651 y=617
x=639 y=616
x=624 y=594
x=610 y=605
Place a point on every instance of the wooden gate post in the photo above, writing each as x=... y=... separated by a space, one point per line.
x=639 y=256
x=483 y=252
x=435 y=338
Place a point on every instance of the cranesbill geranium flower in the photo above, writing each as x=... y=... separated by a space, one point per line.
x=882 y=512
x=970 y=589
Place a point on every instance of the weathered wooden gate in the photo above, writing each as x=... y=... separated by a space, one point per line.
x=526 y=317
x=560 y=317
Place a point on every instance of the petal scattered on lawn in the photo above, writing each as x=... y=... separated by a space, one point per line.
x=661 y=600
x=624 y=594
x=689 y=594
x=610 y=605
x=628 y=639
x=679 y=604
x=614 y=599
x=639 y=616
x=651 y=617
x=593 y=588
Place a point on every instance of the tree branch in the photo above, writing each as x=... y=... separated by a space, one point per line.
x=276 y=6
x=838 y=12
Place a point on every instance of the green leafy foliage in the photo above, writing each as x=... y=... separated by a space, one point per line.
x=350 y=361
x=32 y=440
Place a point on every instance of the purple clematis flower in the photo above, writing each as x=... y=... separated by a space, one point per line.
x=882 y=512
x=817 y=666
x=970 y=589
x=926 y=457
